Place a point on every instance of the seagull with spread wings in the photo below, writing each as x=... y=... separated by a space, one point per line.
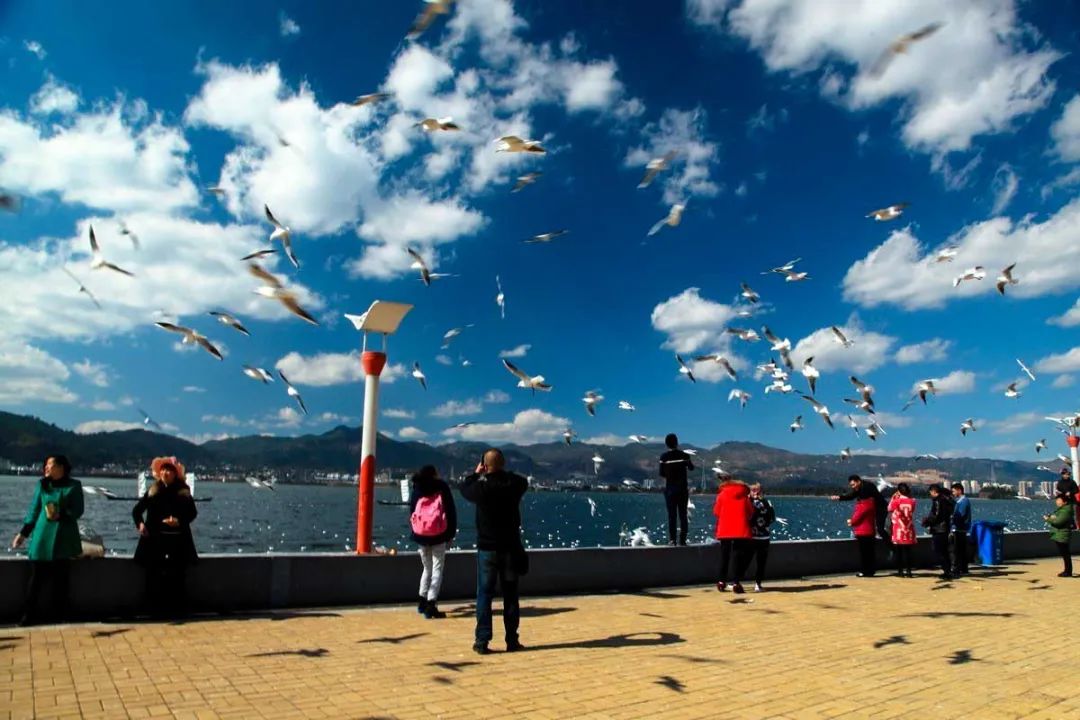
x=432 y=9
x=524 y=180
x=514 y=144
x=82 y=288
x=684 y=368
x=528 y=382
x=888 y=213
x=672 y=219
x=191 y=337
x=656 y=166
x=97 y=260
x=721 y=361
x=226 y=319
x=1006 y=278
x=282 y=233
x=274 y=289
x=293 y=392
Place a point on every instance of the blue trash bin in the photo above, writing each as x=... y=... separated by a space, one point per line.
x=989 y=538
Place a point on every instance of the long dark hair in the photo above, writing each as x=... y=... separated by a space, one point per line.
x=62 y=461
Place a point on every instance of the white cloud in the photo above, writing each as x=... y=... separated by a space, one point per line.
x=54 y=97
x=528 y=427
x=684 y=131
x=393 y=372
x=496 y=397
x=607 y=439
x=1060 y=363
x=102 y=406
x=928 y=351
x=1063 y=381
x=455 y=408
x=29 y=375
x=979 y=74
x=91 y=372
x=34 y=48
x=288 y=27
x=322 y=369
x=1066 y=131
x=329 y=417
x=515 y=352
x=691 y=322
x=592 y=86
x=1005 y=184
x=870 y=350
x=1070 y=318
x=398 y=414
x=193 y=389
x=227 y=420
x=106 y=426
x=411 y=433
x=902 y=271
x=890 y=420
x=1067 y=180
x=955 y=383
x=444 y=360
x=288 y=417
x=1016 y=422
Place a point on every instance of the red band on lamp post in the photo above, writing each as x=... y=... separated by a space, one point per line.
x=373 y=362
x=1073 y=440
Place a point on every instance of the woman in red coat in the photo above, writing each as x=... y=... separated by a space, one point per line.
x=902 y=510
x=733 y=511
x=863 y=527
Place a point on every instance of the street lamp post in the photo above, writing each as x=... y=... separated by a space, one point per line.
x=382 y=318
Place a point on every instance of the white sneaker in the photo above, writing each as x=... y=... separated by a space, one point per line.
x=757 y=587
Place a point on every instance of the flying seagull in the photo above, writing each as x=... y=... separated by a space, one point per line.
x=432 y=9
x=283 y=234
x=293 y=392
x=656 y=166
x=226 y=319
x=742 y=396
x=1041 y=445
x=526 y=179
x=369 y=99
x=126 y=231
x=786 y=267
x=947 y=254
x=865 y=390
x=500 y=299
x=259 y=253
x=257 y=373
x=591 y=400
x=743 y=334
x=275 y=290
x=514 y=144
x=445 y=124
x=82 y=288
x=792 y=276
x=900 y=45
x=624 y=405
x=721 y=361
x=684 y=368
x=853 y=425
x=148 y=421
x=797 y=425
x=748 y=293
x=1025 y=369
x=419 y=375
x=968 y=424
x=845 y=454
x=888 y=213
x=639 y=438
x=191 y=337
x=811 y=373
x=820 y=409
x=673 y=218
x=534 y=382
x=426 y=276
x=975 y=273
x=840 y=337
x=1006 y=278
x=97 y=260
x=546 y=237
x=568 y=436
x=1011 y=392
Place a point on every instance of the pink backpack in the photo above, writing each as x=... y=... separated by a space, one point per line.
x=429 y=518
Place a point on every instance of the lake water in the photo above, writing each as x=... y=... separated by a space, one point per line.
x=315 y=518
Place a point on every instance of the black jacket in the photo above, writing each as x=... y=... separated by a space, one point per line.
x=674 y=465
x=763 y=517
x=869 y=490
x=1067 y=487
x=176 y=544
x=426 y=487
x=498 y=514
x=941 y=510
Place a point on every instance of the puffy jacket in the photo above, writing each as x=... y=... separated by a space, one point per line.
x=733 y=511
x=863 y=518
x=903 y=519
x=1061 y=520
x=940 y=516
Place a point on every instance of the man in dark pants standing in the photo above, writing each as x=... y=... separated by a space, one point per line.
x=674 y=466
x=500 y=554
x=937 y=522
x=961 y=527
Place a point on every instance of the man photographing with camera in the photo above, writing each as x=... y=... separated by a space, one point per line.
x=500 y=554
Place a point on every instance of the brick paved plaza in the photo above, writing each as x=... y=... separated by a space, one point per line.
x=994 y=645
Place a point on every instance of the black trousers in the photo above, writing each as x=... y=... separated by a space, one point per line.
x=734 y=549
x=903 y=558
x=166 y=588
x=676 y=501
x=1066 y=557
x=940 y=542
x=758 y=549
x=960 y=552
x=56 y=573
x=867 y=559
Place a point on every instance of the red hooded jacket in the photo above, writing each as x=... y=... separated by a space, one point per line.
x=862 y=518
x=733 y=511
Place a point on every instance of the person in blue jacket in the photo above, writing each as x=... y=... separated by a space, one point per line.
x=961 y=521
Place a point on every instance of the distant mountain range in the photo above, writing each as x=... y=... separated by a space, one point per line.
x=26 y=440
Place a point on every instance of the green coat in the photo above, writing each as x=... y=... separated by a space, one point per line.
x=1061 y=521
x=55 y=539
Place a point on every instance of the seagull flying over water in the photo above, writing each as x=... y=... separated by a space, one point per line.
x=639 y=438
x=1025 y=369
x=888 y=213
x=283 y=234
x=1011 y=391
x=591 y=400
x=226 y=319
x=968 y=424
x=82 y=288
x=797 y=425
x=97 y=260
x=672 y=219
x=1041 y=445
x=568 y=436
x=524 y=180
x=534 y=382
x=147 y=420
x=275 y=290
x=419 y=375
x=293 y=392
x=820 y=409
x=845 y=454
x=1006 y=278
x=191 y=337
x=514 y=144
x=656 y=166
x=792 y=276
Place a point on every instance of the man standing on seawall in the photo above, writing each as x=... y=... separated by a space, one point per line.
x=674 y=466
x=500 y=554
x=961 y=520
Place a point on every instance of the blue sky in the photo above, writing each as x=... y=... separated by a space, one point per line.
x=786 y=138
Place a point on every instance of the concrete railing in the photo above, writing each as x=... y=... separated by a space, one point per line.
x=113 y=587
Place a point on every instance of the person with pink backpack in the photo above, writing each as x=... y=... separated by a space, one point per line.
x=434 y=523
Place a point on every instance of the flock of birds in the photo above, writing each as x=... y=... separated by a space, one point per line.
x=779 y=373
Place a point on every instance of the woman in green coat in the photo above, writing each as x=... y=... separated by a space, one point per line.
x=1061 y=520
x=52 y=527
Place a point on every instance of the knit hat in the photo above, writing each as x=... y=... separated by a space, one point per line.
x=159 y=463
